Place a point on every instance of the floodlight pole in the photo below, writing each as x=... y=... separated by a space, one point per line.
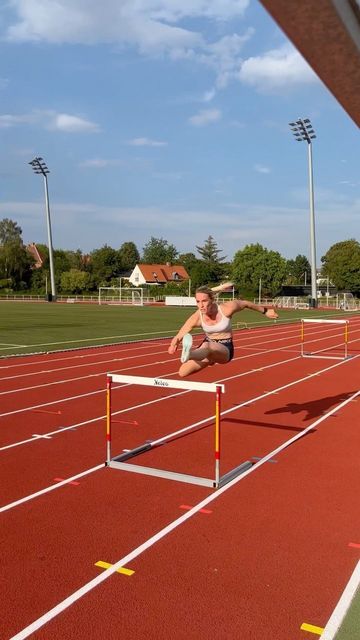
x=39 y=167
x=303 y=131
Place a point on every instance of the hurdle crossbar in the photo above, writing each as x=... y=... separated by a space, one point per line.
x=120 y=461
x=319 y=354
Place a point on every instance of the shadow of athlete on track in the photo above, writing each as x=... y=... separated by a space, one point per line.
x=315 y=408
x=257 y=423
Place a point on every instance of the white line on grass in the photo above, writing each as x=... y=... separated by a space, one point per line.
x=86 y=588
x=342 y=606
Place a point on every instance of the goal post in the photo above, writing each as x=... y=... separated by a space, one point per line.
x=333 y=347
x=121 y=461
x=121 y=295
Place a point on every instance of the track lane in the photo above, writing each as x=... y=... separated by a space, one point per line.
x=81 y=624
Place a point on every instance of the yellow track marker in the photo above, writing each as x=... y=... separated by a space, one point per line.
x=106 y=565
x=312 y=628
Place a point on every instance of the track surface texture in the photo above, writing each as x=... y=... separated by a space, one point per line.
x=268 y=552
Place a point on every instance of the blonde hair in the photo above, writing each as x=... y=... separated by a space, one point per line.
x=214 y=292
x=207 y=291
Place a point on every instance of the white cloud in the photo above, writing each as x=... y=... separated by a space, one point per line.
x=150 y=26
x=209 y=95
x=224 y=57
x=50 y=120
x=7 y=120
x=146 y=142
x=204 y=117
x=100 y=163
x=261 y=168
x=72 y=124
x=232 y=225
x=277 y=69
x=146 y=24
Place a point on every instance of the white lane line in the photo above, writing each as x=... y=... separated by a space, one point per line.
x=98 y=418
x=28 y=440
x=100 y=352
x=81 y=395
x=79 y=366
x=8 y=345
x=11 y=505
x=194 y=425
x=80 y=424
x=127 y=335
x=67 y=399
x=59 y=608
x=342 y=606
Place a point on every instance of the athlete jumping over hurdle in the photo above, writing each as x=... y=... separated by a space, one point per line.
x=215 y=320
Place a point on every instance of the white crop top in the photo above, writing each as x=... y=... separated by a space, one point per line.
x=223 y=326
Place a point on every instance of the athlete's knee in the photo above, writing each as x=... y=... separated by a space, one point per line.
x=183 y=372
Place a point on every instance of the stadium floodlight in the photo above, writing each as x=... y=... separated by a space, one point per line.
x=39 y=167
x=303 y=131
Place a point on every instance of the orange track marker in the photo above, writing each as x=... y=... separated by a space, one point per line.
x=61 y=479
x=58 y=413
x=187 y=507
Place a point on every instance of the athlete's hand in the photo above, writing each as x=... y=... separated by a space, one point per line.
x=173 y=346
x=271 y=313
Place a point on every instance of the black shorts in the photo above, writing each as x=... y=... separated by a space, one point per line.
x=227 y=342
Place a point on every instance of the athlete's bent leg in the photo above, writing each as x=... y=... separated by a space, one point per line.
x=192 y=366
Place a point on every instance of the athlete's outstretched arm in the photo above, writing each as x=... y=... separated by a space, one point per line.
x=238 y=305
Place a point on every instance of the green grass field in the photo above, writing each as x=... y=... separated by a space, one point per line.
x=27 y=327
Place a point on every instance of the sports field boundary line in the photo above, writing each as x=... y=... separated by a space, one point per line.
x=342 y=606
x=127 y=559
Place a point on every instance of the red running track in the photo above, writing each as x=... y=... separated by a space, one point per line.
x=270 y=551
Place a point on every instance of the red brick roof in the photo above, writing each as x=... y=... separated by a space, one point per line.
x=34 y=251
x=163 y=273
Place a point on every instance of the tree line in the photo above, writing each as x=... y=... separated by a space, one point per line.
x=76 y=273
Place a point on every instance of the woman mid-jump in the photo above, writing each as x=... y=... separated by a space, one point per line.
x=215 y=320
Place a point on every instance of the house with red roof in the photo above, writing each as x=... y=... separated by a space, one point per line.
x=157 y=274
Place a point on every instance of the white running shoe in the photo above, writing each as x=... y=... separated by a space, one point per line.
x=186 y=347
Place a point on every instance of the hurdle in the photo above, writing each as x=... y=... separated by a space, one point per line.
x=120 y=461
x=320 y=354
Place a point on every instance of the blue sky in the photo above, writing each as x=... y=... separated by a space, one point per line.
x=168 y=118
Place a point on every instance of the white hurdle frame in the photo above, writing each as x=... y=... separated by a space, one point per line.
x=119 y=462
x=325 y=321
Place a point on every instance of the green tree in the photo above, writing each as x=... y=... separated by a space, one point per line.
x=128 y=256
x=255 y=262
x=342 y=264
x=15 y=261
x=74 y=281
x=210 y=252
x=187 y=260
x=104 y=265
x=75 y=259
x=159 y=251
x=299 y=270
x=204 y=273
x=9 y=231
